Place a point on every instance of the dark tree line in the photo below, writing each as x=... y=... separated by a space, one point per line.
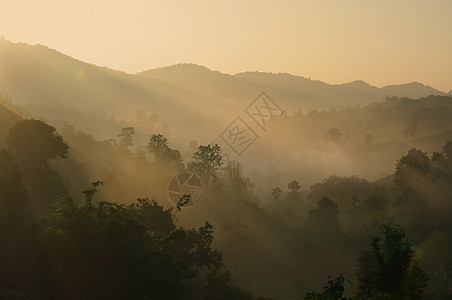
x=95 y=249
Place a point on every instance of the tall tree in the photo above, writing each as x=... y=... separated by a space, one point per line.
x=126 y=137
x=276 y=193
x=333 y=289
x=206 y=161
x=324 y=217
x=293 y=197
x=34 y=142
x=389 y=269
x=415 y=163
x=294 y=186
x=163 y=153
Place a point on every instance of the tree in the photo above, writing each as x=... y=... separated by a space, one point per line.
x=234 y=178
x=365 y=215
x=126 y=137
x=150 y=214
x=442 y=162
x=293 y=197
x=276 y=193
x=163 y=153
x=333 y=289
x=294 y=186
x=34 y=142
x=413 y=210
x=106 y=250
x=206 y=161
x=416 y=162
x=324 y=217
x=334 y=135
x=218 y=286
x=343 y=190
x=157 y=145
x=389 y=269
x=411 y=129
x=14 y=201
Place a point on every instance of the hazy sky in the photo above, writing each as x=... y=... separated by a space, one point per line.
x=381 y=42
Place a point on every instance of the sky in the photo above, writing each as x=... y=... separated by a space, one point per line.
x=381 y=42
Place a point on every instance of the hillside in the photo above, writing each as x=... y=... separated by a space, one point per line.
x=185 y=97
x=292 y=91
x=188 y=102
x=272 y=243
x=54 y=80
x=8 y=116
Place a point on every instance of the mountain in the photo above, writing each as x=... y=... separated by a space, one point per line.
x=190 y=100
x=37 y=75
x=292 y=92
x=8 y=116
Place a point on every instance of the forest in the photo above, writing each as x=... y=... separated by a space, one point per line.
x=184 y=182
x=90 y=218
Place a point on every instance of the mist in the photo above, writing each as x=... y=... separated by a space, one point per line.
x=186 y=182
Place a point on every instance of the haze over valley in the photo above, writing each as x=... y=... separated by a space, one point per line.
x=198 y=171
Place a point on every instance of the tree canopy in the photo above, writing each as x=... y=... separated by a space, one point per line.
x=34 y=141
x=389 y=268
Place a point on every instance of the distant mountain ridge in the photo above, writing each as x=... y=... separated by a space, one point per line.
x=186 y=94
x=296 y=90
x=52 y=74
x=185 y=69
x=37 y=75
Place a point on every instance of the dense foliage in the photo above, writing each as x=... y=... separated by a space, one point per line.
x=55 y=245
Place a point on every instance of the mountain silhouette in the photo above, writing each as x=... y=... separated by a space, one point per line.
x=187 y=97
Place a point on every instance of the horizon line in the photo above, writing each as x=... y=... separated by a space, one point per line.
x=3 y=38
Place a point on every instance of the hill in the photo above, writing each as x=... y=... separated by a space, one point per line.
x=292 y=91
x=39 y=76
x=8 y=116
x=186 y=97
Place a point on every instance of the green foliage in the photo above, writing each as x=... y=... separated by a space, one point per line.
x=412 y=211
x=343 y=190
x=126 y=137
x=89 y=193
x=276 y=193
x=365 y=216
x=389 y=267
x=333 y=289
x=206 y=161
x=294 y=186
x=35 y=142
x=293 y=197
x=412 y=202
x=218 y=287
x=105 y=250
x=163 y=154
x=183 y=201
x=416 y=162
x=14 y=200
x=152 y=216
x=141 y=240
x=324 y=217
x=442 y=162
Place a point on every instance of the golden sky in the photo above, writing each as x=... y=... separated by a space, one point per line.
x=381 y=42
